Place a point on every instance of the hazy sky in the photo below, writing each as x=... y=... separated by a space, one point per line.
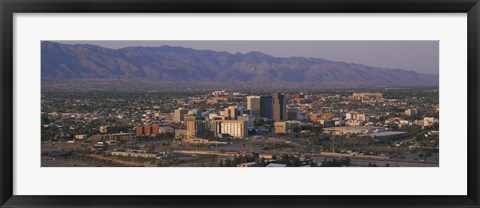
x=420 y=56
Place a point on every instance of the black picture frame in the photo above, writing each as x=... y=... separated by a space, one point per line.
x=9 y=7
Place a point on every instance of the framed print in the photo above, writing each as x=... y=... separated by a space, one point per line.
x=264 y=103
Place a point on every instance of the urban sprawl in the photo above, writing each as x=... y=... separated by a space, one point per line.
x=388 y=127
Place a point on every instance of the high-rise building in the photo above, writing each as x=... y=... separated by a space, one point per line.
x=266 y=107
x=253 y=104
x=279 y=108
x=231 y=113
x=193 y=123
x=249 y=119
x=179 y=114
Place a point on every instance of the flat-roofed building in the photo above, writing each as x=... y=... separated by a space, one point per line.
x=231 y=112
x=184 y=134
x=179 y=114
x=279 y=107
x=249 y=119
x=234 y=128
x=193 y=123
x=165 y=129
x=253 y=104
x=266 y=107
x=121 y=137
x=285 y=127
x=428 y=121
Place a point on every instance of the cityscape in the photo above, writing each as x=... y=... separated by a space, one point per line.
x=239 y=120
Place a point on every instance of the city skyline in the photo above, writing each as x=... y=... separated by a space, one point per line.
x=181 y=107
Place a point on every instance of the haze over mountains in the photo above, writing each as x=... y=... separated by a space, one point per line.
x=177 y=64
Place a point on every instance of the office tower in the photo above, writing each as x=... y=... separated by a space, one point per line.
x=231 y=113
x=253 y=104
x=193 y=123
x=249 y=119
x=266 y=107
x=279 y=107
x=179 y=114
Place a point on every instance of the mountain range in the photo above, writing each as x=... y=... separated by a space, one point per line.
x=175 y=64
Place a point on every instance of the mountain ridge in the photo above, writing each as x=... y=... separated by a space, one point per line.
x=173 y=63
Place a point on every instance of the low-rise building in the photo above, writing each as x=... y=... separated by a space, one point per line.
x=81 y=136
x=184 y=134
x=285 y=127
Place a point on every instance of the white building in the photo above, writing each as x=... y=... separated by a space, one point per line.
x=234 y=128
x=179 y=114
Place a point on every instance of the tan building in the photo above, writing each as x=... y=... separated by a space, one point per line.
x=103 y=129
x=184 y=134
x=279 y=107
x=231 y=112
x=253 y=104
x=193 y=123
x=179 y=114
x=428 y=121
x=284 y=127
x=81 y=136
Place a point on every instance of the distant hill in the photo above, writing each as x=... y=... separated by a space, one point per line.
x=170 y=64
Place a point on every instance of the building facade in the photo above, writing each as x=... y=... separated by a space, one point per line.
x=279 y=107
x=266 y=107
x=253 y=104
x=179 y=115
x=234 y=128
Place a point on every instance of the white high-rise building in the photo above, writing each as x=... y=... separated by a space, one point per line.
x=179 y=114
x=253 y=104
